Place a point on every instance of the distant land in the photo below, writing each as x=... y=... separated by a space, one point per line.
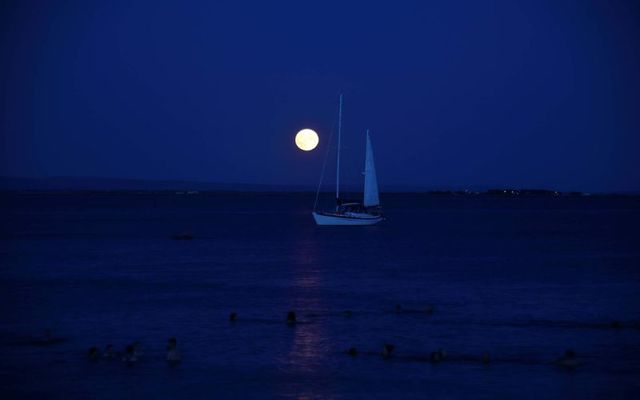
x=120 y=184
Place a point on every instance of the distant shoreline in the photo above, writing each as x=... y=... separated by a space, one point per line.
x=494 y=193
x=117 y=185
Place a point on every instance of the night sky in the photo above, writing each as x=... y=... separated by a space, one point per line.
x=456 y=93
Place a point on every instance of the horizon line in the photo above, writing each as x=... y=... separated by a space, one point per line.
x=258 y=187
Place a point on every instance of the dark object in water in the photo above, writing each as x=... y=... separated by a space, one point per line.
x=137 y=348
x=387 y=350
x=233 y=317
x=93 y=353
x=182 y=236
x=616 y=325
x=291 y=317
x=129 y=355
x=437 y=356
x=485 y=358
x=442 y=352
x=398 y=308
x=429 y=310
x=108 y=352
x=348 y=313
x=568 y=360
x=352 y=351
x=173 y=355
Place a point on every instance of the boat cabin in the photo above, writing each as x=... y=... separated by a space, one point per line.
x=356 y=207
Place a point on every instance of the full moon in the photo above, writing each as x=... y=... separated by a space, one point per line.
x=307 y=139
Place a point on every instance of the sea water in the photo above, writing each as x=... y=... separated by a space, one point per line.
x=522 y=279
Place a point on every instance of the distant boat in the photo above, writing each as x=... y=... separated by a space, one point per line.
x=369 y=212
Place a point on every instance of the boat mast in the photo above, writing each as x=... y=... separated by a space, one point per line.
x=338 y=158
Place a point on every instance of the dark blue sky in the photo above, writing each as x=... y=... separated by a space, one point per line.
x=456 y=93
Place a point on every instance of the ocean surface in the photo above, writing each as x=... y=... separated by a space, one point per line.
x=522 y=279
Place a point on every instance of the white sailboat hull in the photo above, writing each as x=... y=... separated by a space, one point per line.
x=346 y=219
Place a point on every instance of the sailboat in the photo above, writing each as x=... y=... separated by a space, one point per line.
x=346 y=212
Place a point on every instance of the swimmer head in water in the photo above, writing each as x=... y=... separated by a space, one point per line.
x=129 y=354
x=387 y=350
x=291 y=317
x=568 y=360
x=93 y=353
x=108 y=352
x=173 y=355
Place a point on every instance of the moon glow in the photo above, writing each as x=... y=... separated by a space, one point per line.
x=307 y=139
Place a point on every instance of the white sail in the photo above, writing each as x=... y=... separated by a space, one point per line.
x=370 y=181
